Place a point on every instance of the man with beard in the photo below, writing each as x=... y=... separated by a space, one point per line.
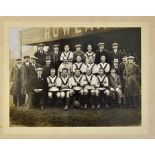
x=55 y=57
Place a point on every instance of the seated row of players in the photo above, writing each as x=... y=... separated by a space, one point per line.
x=88 y=90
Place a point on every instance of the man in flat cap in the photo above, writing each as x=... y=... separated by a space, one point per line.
x=18 y=82
x=102 y=51
x=77 y=52
x=55 y=57
x=116 y=53
x=132 y=75
x=40 y=54
x=37 y=88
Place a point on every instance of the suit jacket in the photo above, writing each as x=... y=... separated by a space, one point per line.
x=37 y=83
x=115 y=82
x=55 y=61
x=118 y=56
x=107 y=53
x=41 y=57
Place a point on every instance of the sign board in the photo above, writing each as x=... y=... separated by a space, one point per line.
x=45 y=34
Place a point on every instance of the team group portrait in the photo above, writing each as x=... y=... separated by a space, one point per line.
x=75 y=76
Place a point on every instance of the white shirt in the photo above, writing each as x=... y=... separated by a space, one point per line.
x=91 y=79
x=102 y=80
x=66 y=56
x=61 y=81
x=93 y=67
x=81 y=66
x=51 y=80
x=105 y=66
x=88 y=55
x=74 y=81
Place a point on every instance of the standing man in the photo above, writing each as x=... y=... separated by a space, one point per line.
x=27 y=65
x=89 y=53
x=40 y=54
x=55 y=57
x=18 y=82
x=78 y=52
x=132 y=82
x=116 y=53
x=102 y=51
x=67 y=59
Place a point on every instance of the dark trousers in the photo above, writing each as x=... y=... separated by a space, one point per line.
x=19 y=99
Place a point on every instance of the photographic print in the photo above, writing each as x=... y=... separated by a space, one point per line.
x=68 y=76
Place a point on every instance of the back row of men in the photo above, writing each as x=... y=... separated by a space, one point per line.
x=74 y=75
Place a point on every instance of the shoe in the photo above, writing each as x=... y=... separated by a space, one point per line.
x=107 y=106
x=66 y=107
x=85 y=106
x=28 y=107
x=98 y=107
x=42 y=108
x=93 y=107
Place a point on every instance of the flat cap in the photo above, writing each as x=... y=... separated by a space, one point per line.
x=19 y=59
x=115 y=44
x=56 y=45
x=40 y=44
x=34 y=58
x=131 y=57
x=100 y=44
x=26 y=56
x=78 y=45
x=39 y=69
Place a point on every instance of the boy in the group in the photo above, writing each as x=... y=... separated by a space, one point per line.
x=102 y=91
x=92 y=66
x=77 y=88
x=89 y=84
x=115 y=87
x=104 y=65
x=52 y=86
x=89 y=53
x=79 y=65
x=63 y=84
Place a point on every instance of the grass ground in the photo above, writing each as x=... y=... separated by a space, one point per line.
x=19 y=116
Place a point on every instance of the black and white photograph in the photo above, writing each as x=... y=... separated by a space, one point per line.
x=74 y=76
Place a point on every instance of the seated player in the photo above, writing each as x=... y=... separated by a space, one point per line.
x=115 y=86
x=52 y=86
x=79 y=65
x=104 y=65
x=102 y=91
x=77 y=87
x=63 y=84
x=89 y=53
x=93 y=67
x=37 y=88
x=89 y=83
x=66 y=58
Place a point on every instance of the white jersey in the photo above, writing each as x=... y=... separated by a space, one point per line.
x=81 y=66
x=76 y=81
x=90 y=80
x=105 y=66
x=88 y=55
x=66 y=56
x=93 y=67
x=52 y=81
x=102 y=81
x=64 y=82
